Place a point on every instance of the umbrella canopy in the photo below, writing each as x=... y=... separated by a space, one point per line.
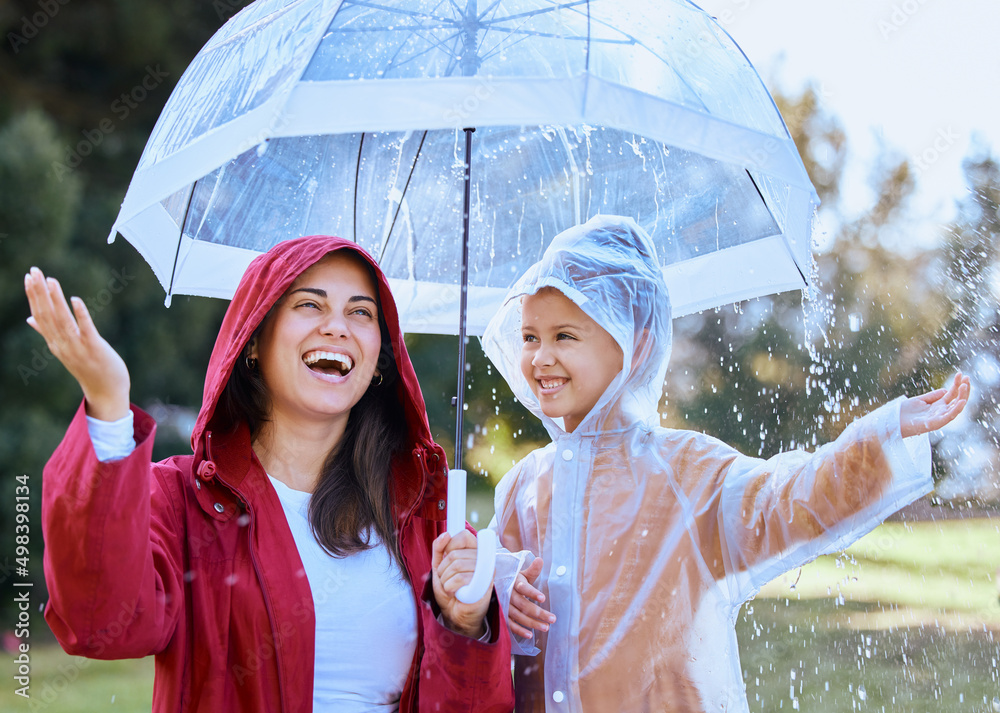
x=345 y=118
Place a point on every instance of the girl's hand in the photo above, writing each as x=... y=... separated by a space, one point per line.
x=525 y=614
x=935 y=409
x=74 y=341
x=453 y=561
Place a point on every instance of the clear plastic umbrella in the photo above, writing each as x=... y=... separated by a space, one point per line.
x=316 y=116
x=346 y=118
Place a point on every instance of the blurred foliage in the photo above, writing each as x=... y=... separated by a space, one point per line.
x=72 y=127
x=820 y=140
x=498 y=431
x=785 y=372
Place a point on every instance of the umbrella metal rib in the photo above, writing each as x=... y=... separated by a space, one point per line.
x=399 y=206
x=180 y=239
x=357 y=177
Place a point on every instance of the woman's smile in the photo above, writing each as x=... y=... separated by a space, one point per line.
x=332 y=366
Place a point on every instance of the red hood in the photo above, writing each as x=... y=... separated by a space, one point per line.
x=264 y=281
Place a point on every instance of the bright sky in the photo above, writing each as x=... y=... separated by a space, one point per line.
x=921 y=76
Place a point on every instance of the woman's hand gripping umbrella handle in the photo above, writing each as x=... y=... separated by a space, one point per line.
x=486 y=541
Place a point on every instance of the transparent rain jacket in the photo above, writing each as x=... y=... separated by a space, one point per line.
x=652 y=538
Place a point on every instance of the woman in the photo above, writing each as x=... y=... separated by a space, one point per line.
x=296 y=560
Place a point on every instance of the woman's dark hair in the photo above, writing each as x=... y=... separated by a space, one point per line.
x=354 y=495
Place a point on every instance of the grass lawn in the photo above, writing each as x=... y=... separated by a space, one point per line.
x=907 y=619
x=71 y=684
x=799 y=655
x=913 y=573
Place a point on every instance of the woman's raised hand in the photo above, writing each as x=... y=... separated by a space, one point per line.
x=935 y=409
x=74 y=341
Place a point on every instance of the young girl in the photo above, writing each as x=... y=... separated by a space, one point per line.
x=297 y=560
x=652 y=538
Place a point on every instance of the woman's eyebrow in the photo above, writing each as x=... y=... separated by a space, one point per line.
x=322 y=293
x=311 y=290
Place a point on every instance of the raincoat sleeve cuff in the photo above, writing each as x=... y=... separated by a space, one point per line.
x=112 y=440
x=508 y=565
x=909 y=458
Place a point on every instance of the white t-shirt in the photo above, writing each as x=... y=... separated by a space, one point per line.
x=366 y=619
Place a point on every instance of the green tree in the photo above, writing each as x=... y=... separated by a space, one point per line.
x=36 y=214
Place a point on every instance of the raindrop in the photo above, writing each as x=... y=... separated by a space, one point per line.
x=862 y=693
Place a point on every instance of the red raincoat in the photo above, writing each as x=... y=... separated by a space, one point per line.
x=191 y=559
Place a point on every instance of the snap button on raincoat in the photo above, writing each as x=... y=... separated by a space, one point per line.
x=652 y=538
x=192 y=560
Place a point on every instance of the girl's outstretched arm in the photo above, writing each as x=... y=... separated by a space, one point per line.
x=778 y=514
x=73 y=339
x=935 y=409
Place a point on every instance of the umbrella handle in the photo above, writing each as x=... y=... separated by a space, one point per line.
x=486 y=541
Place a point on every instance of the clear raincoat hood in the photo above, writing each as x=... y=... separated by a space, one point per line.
x=652 y=538
x=607 y=262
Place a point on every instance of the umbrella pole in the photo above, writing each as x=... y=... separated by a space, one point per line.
x=486 y=539
x=463 y=299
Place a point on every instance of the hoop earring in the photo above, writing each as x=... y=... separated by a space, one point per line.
x=251 y=363
x=377 y=380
